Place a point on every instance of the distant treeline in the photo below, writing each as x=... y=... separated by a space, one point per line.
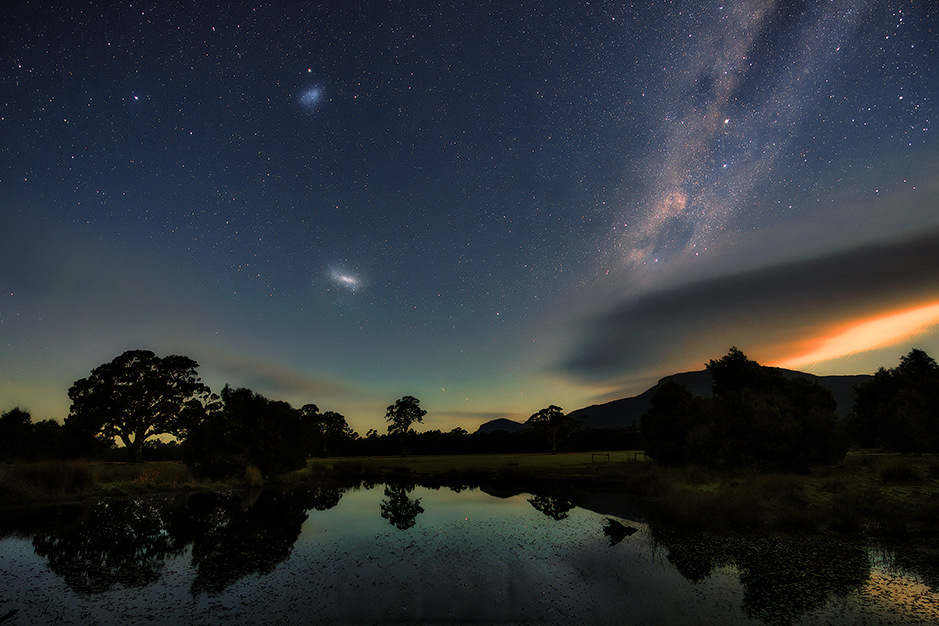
x=756 y=418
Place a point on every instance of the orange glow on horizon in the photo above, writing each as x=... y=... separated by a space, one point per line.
x=869 y=334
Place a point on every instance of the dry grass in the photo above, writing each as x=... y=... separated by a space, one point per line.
x=52 y=480
x=39 y=481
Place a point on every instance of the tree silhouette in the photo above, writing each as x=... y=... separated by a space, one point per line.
x=248 y=430
x=16 y=435
x=897 y=409
x=401 y=415
x=757 y=418
x=667 y=422
x=400 y=511
x=325 y=429
x=136 y=396
x=552 y=424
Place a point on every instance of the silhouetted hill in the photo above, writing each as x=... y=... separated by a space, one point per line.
x=500 y=424
x=627 y=411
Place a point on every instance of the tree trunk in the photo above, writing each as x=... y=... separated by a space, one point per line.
x=136 y=450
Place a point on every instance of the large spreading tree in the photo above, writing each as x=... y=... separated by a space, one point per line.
x=137 y=396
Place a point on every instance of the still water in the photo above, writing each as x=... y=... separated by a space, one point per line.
x=405 y=554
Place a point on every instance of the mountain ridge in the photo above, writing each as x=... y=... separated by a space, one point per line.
x=625 y=412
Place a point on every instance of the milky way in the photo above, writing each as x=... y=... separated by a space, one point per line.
x=725 y=126
x=523 y=204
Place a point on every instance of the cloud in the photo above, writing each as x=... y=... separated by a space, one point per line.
x=266 y=377
x=766 y=311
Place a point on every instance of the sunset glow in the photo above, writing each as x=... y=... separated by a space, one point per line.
x=870 y=334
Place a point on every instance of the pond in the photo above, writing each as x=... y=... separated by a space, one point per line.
x=399 y=553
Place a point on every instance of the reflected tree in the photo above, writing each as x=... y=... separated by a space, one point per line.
x=126 y=543
x=554 y=507
x=324 y=498
x=230 y=542
x=119 y=544
x=782 y=580
x=400 y=510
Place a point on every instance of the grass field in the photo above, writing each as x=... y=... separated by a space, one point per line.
x=572 y=464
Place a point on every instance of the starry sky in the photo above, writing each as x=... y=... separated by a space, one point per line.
x=491 y=206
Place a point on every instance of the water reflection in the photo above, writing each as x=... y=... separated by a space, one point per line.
x=400 y=511
x=616 y=531
x=555 y=507
x=491 y=557
x=783 y=578
x=119 y=543
x=230 y=541
x=126 y=543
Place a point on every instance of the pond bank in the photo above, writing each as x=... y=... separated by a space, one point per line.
x=882 y=495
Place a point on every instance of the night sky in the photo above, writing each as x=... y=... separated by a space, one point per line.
x=491 y=206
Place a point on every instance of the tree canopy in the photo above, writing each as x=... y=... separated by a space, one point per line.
x=758 y=417
x=552 y=424
x=325 y=430
x=21 y=439
x=401 y=415
x=136 y=396
x=898 y=409
x=248 y=430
